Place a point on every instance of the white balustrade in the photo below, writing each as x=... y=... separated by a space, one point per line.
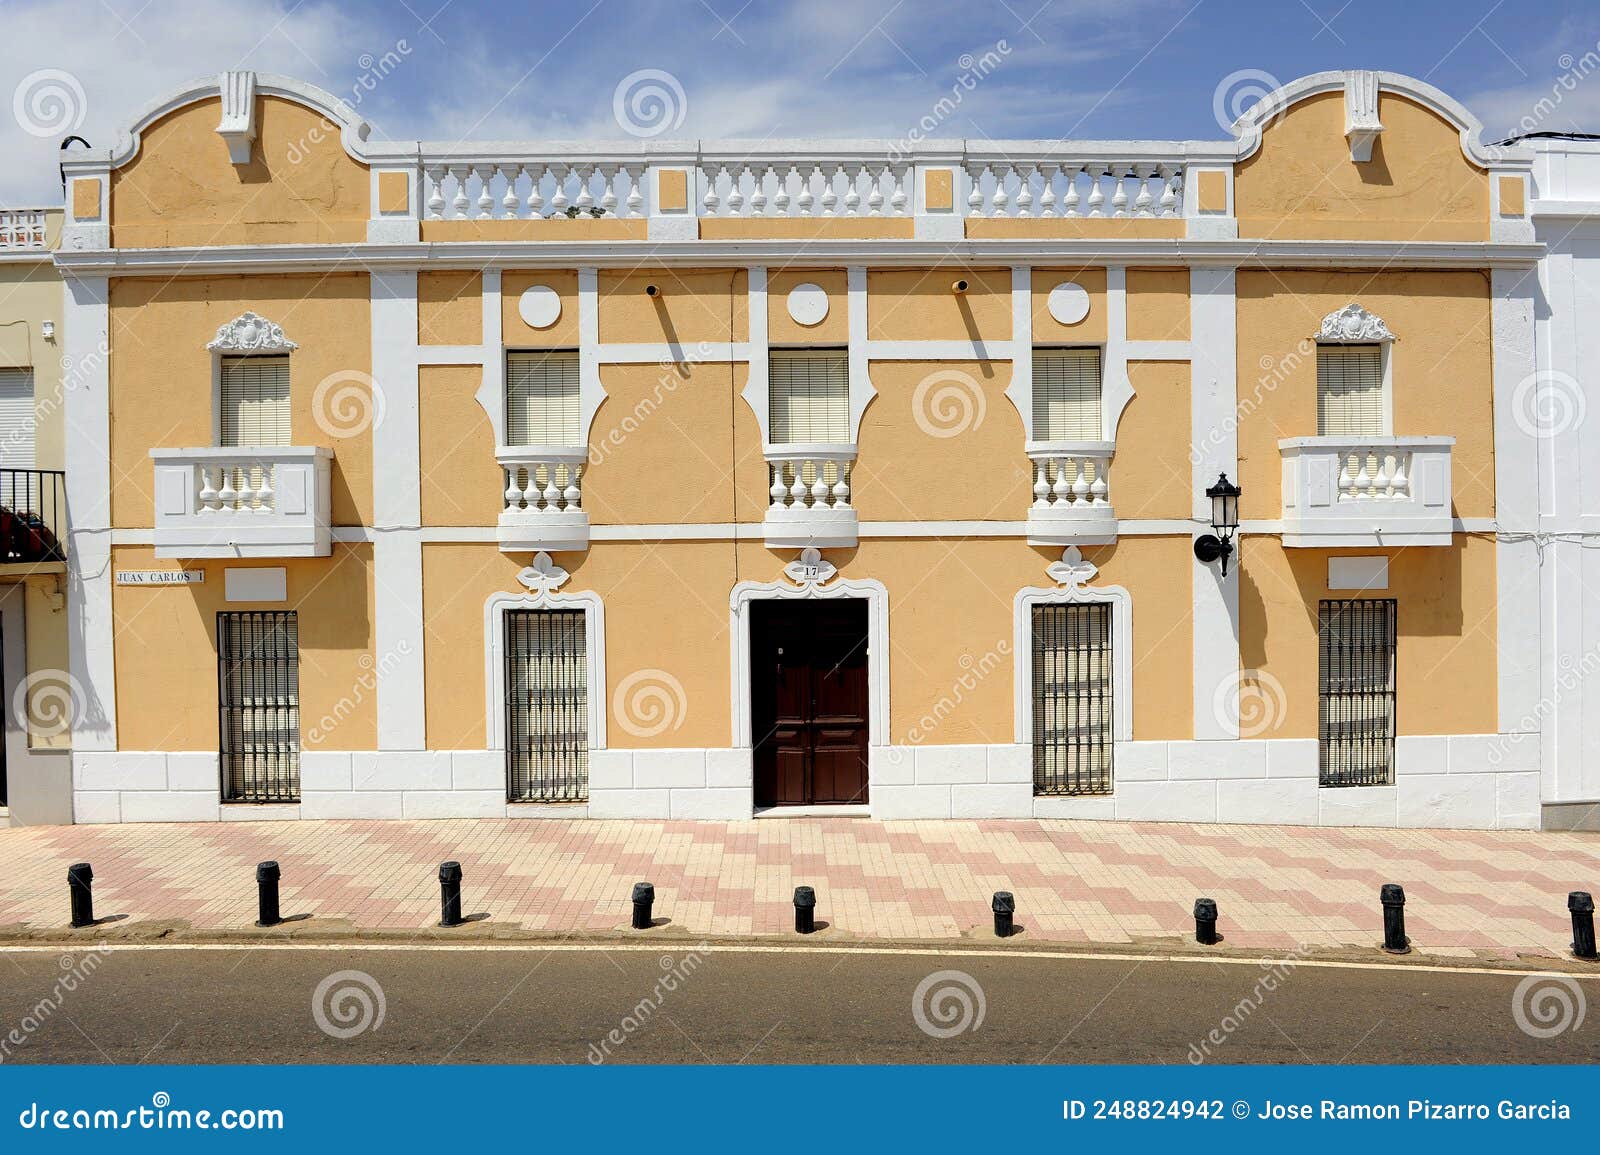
x=809 y=495
x=542 y=497
x=22 y=228
x=242 y=502
x=825 y=188
x=1054 y=188
x=1071 y=492
x=530 y=190
x=1379 y=491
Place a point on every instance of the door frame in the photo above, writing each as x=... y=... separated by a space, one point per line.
x=877 y=599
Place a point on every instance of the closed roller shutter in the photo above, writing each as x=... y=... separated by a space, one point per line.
x=1350 y=391
x=1066 y=395
x=808 y=394
x=255 y=401
x=17 y=419
x=542 y=399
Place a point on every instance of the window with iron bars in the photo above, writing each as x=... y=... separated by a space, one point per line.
x=1356 y=692
x=547 y=706
x=258 y=693
x=1072 y=706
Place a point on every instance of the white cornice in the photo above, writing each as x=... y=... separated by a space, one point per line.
x=1250 y=126
x=217 y=260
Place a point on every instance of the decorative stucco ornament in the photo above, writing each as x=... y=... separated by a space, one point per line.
x=1353 y=323
x=544 y=576
x=1072 y=571
x=810 y=571
x=251 y=333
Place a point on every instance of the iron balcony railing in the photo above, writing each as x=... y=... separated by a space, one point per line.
x=33 y=515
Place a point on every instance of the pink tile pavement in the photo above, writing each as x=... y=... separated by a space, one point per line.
x=1497 y=893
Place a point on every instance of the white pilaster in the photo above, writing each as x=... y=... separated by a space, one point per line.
x=1214 y=419
x=87 y=389
x=397 y=513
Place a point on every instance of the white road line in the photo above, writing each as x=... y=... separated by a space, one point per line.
x=664 y=946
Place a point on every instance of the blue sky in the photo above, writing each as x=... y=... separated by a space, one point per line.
x=1074 y=68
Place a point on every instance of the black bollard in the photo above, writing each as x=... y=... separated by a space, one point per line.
x=644 y=897
x=1581 y=904
x=1393 y=897
x=267 y=875
x=1004 y=906
x=450 y=894
x=805 y=910
x=1205 y=921
x=79 y=878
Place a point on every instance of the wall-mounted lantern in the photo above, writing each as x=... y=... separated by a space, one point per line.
x=1208 y=547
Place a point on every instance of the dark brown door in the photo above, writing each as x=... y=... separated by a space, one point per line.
x=808 y=673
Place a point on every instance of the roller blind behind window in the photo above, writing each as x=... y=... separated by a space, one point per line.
x=16 y=419
x=1350 y=391
x=542 y=398
x=808 y=394
x=1066 y=395
x=255 y=401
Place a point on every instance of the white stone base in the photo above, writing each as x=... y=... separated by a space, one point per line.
x=1482 y=781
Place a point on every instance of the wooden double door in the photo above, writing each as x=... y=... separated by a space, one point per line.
x=808 y=673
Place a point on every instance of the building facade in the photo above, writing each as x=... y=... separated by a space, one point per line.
x=702 y=479
x=35 y=693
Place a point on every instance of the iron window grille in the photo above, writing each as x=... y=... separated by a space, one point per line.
x=258 y=692
x=1356 y=692
x=547 y=706
x=1072 y=706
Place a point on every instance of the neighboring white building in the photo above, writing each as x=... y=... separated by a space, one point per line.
x=1561 y=402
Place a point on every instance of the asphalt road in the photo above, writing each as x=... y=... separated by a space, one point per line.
x=674 y=1004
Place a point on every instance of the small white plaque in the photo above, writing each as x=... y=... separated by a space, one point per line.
x=256 y=584
x=808 y=304
x=160 y=577
x=1358 y=573
x=1069 y=303
x=539 y=306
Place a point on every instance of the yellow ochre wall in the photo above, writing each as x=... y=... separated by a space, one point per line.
x=166 y=651
x=1418 y=186
x=1441 y=365
x=949 y=613
x=299 y=187
x=30 y=294
x=1445 y=661
x=161 y=375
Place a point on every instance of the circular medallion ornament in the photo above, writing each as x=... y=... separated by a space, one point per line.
x=539 y=306
x=1069 y=303
x=808 y=304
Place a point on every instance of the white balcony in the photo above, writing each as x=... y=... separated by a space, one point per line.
x=242 y=502
x=1071 y=493
x=1376 y=491
x=543 y=498
x=810 y=496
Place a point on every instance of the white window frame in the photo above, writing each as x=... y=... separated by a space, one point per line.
x=1353 y=325
x=801 y=352
x=494 y=647
x=1033 y=390
x=248 y=334
x=580 y=431
x=1121 y=603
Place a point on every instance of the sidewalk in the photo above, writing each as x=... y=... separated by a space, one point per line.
x=1492 y=893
